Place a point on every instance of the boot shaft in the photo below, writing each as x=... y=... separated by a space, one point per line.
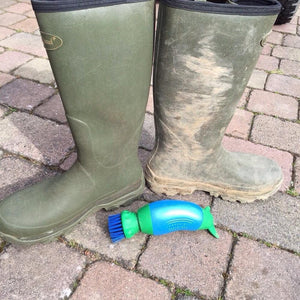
x=205 y=54
x=101 y=54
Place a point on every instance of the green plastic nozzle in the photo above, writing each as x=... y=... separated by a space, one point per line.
x=130 y=223
x=208 y=222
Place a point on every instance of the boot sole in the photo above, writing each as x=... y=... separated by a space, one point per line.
x=123 y=200
x=171 y=186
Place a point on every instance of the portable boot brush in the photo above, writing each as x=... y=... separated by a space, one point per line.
x=101 y=56
x=205 y=54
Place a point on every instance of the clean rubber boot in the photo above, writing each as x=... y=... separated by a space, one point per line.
x=101 y=56
x=205 y=54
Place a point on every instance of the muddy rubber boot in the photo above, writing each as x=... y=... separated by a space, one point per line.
x=205 y=54
x=101 y=56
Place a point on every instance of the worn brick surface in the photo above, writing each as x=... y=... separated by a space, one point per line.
x=148 y=133
x=6 y=3
x=276 y=133
x=24 y=94
x=267 y=63
x=273 y=104
x=106 y=281
x=284 y=159
x=52 y=109
x=257 y=79
x=28 y=25
x=286 y=28
x=25 y=42
x=286 y=52
x=5 y=78
x=93 y=234
x=69 y=161
x=291 y=41
x=10 y=60
x=284 y=85
x=193 y=260
x=243 y=100
x=240 y=124
x=17 y=173
x=39 y=272
x=10 y=18
x=5 y=32
x=289 y=67
x=19 y=8
x=3 y=110
x=259 y=272
x=35 y=138
x=275 y=37
x=297 y=175
x=38 y=69
x=274 y=220
x=267 y=49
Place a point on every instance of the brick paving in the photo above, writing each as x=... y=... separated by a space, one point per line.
x=257 y=255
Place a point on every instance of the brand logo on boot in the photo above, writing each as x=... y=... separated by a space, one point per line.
x=51 y=41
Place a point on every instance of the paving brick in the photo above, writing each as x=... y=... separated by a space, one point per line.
x=193 y=260
x=69 y=162
x=6 y=3
x=284 y=159
x=39 y=272
x=257 y=79
x=286 y=52
x=286 y=28
x=30 y=14
x=267 y=49
x=259 y=272
x=5 y=32
x=284 y=85
x=3 y=110
x=52 y=109
x=24 y=94
x=150 y=107
x=35 y=138
x=275 y=38
x=10 y=60
x=5 y=78
x=17 y=173
x=144 y=156
x=276 y=133
x=273 y=104
x=93 y=235
x=267 y=63
x=292 y=41
x=2 y=49
x=25 y=42
x=243 y=101
x=289 y=67
x=148 y=133
x=297 y=175
x=240 y=124
x=19 y=8
x=28 y=25
x=9 y=19
x=274 y=220
x=106 y=281
x=294 y=20
x=38 y=69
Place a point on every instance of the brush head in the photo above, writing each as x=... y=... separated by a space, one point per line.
x=115 y=228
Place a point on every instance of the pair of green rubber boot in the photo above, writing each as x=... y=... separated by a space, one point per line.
x=101 y=55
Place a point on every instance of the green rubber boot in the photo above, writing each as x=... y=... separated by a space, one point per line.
x=101 y=56
x=205 y=54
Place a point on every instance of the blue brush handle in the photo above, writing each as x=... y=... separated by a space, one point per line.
x=173 y=215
